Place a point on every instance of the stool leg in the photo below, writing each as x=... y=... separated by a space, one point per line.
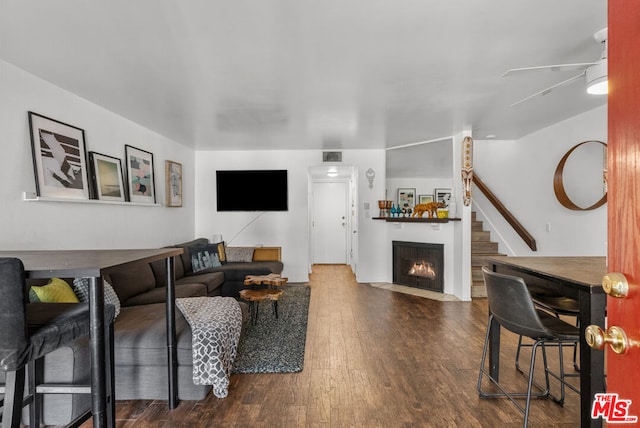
x=36 y=377
x=275 y=307
x=12 y=406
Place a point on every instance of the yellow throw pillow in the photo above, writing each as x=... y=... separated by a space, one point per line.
x=56 y=291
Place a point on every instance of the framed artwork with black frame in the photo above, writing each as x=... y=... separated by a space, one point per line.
x=59 y=158
x=107 y=178
x=406 y=197
x=173 y=185
x=442 y=195
x=140 y=175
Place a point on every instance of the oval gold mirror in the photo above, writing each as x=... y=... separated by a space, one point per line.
x=582 y=173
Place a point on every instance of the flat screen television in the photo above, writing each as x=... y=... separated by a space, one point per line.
x=252 y=190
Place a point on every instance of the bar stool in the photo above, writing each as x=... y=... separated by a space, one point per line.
x=511 y=306
x=557 y=305
x=30 y=331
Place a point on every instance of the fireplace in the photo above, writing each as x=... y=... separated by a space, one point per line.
x=418 y=264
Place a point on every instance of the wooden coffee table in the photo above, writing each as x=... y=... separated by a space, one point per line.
x=254 y=297
x=271 y=279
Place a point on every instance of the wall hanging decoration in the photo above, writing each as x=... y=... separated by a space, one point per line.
x=173 y=175
x=559 y=185
x=140 y=176
x=106 y=174
x=467 y=170
x=370 y=174
x=59 y=158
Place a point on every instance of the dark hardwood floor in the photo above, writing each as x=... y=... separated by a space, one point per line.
x=374 y=358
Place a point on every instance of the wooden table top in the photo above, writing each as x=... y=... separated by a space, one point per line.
x=84 y=263
x=585 y=271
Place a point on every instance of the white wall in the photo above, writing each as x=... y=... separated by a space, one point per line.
x=62 y=225
x=290 y=229
x=521 y=174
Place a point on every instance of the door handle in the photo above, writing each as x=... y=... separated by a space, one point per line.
x=615 y=336
x=615 y=284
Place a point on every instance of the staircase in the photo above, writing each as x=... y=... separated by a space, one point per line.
x=481 y=247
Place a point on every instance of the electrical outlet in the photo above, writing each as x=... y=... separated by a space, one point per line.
x=548 y=227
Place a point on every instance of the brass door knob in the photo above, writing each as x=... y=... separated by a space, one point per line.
x=615 y=336
x=615 y=284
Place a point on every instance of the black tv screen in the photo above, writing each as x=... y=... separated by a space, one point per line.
x=255 y=190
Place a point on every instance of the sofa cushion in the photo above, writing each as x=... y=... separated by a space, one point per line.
x=186 y=255
x=205 y=257
x=236 y=271
x=212 y=280
x=159 y=294
x=132 y=280
x=81 y=288
x=239 y=254
x=55 y=291
x=141 y=336
x=159 y=269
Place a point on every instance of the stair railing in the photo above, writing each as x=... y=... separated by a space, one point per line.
x=510 y=218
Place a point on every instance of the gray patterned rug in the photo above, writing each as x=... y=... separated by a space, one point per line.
x=276 y=345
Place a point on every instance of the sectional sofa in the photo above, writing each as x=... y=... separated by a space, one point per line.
x=140 y=331
x=140 y=328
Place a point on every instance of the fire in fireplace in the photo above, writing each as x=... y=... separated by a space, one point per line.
x=418 y=264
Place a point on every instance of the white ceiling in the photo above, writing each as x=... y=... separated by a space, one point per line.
x=301 y=74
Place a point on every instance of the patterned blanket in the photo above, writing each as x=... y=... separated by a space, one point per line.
x=215 y=327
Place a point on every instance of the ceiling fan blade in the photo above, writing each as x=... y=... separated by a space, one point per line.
x=556 y=67
x=550 y=88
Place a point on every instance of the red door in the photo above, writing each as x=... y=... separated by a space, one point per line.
x=623 y=370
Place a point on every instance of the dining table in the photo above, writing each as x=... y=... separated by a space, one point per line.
x=94 y=264
x=579 y=278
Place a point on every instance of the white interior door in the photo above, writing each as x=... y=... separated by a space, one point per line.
x=329 y=222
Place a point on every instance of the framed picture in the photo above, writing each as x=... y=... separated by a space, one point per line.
x=425 y=199
x=106 y=174
x=140 y=176
x=442 y=195
x=59 y=158
x=406 y=198
x=173 y=175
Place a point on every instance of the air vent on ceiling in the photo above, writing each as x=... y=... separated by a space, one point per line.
x=331 y=156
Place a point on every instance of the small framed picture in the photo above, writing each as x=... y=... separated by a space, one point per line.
x=140 y=176
x=425 y=199
x=59 y=158
x=106 y=174
x=173 y=176
x=442 y=195
x=406 y=198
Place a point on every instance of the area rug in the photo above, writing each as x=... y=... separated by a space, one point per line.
x=276 y=345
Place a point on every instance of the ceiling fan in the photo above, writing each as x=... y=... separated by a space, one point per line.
x=595 y=72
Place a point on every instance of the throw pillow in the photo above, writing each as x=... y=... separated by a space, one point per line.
x=55 y=291
x=239 y=254
x=205 y=257
x=222 y=256
x=81 y=287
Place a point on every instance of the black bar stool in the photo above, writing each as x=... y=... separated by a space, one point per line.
x=30 y=331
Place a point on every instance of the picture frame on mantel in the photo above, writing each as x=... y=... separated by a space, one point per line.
x=173 y=185
x=442 y=195
x=59 y=158
x=140 y=175
x=406 y=197
x=107 y=177
x=425 y=199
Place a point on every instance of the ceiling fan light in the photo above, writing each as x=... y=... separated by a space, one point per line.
x=597 y=83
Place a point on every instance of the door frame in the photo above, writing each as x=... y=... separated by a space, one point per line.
x=347 y=175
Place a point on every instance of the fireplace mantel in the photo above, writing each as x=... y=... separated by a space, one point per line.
x=415 y=219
